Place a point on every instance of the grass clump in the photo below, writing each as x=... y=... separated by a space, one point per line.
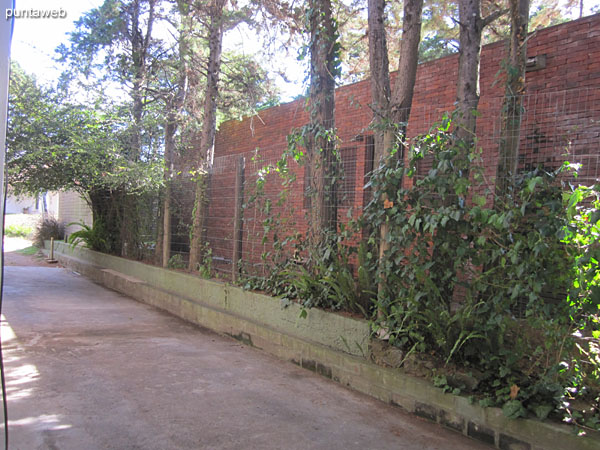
x=29 y=251
x=21 y=231
x=48 y=227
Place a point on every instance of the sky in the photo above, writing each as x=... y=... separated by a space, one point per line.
x=34 y=40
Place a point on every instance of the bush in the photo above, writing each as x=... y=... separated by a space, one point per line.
x=94 y=237
x=18 y=231
x=176 y=262
x=48 y=227
x=508 y=290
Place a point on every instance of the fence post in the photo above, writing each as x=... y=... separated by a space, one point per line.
x=238 y=218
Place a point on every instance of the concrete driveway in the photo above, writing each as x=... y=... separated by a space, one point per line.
x=88 y=368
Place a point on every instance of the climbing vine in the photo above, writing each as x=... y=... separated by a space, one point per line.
x=490 y=289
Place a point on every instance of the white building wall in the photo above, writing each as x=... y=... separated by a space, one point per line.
x=52 y=202
x=21 y=204
x=73 y=208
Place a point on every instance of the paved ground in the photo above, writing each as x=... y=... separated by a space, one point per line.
x=12 y=257
x=88 y=368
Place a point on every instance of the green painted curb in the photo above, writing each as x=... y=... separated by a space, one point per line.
x=329 y=344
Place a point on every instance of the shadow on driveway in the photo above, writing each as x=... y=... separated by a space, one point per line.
x=88 y=368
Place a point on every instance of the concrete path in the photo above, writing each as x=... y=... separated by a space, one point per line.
x=88 y=368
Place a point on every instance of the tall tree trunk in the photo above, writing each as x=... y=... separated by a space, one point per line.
x=404 y=86
x=392 y=109
x=321 y=144
x=158 y=248
x=508 y=154
x=140 y=44
x=380 y=78
x=391 y=114
x=170 y=130
x=215 y=40
x=467 y=90
x=174 y=106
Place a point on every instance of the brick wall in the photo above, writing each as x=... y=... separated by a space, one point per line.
x=561 y=115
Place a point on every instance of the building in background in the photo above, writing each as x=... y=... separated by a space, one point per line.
x=66 y=207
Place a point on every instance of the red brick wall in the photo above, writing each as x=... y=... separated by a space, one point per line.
x=561 y=107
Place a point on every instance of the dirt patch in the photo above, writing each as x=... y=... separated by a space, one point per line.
x=18 y=259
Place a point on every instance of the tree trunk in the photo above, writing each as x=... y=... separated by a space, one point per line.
x=140 y=43
x=174 y=105
x=170 y=130
x=208 y=128
x=508 y=154
x=321 y=144
x=392 y=109
x=407 y=68
x=380 y=78
x=467 y=90
x=391 y=115
x=158 y=248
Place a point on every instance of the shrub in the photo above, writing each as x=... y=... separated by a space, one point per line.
x=176 y=262
x=18 y=231
x=93 y=237
x=503 y=290
x=48 y=227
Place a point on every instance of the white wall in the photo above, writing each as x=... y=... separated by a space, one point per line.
x=73 y=208
x=52 y=203
x=22 y=204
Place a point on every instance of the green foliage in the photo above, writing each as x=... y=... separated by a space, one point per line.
x=583 y=368
x=436 y=46
x=112 y=42
x=32 y=250
x=54 y=144
x=583 y=232
x=326 y=279
x=94 y=237
x=323 y=278
x=315 y=277
x=176 y=262
x=488 y=287
x=205 y=266
x=153 y=54
x=22 y=231
x=507 y=290
x=48 y=227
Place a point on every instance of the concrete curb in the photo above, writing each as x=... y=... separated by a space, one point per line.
x=329 y=344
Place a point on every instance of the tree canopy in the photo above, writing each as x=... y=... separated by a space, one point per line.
x=55 y=144
x=440 y=27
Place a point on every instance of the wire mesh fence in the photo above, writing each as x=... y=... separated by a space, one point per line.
x=255 y=203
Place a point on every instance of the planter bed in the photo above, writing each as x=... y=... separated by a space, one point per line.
x=330 y=344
